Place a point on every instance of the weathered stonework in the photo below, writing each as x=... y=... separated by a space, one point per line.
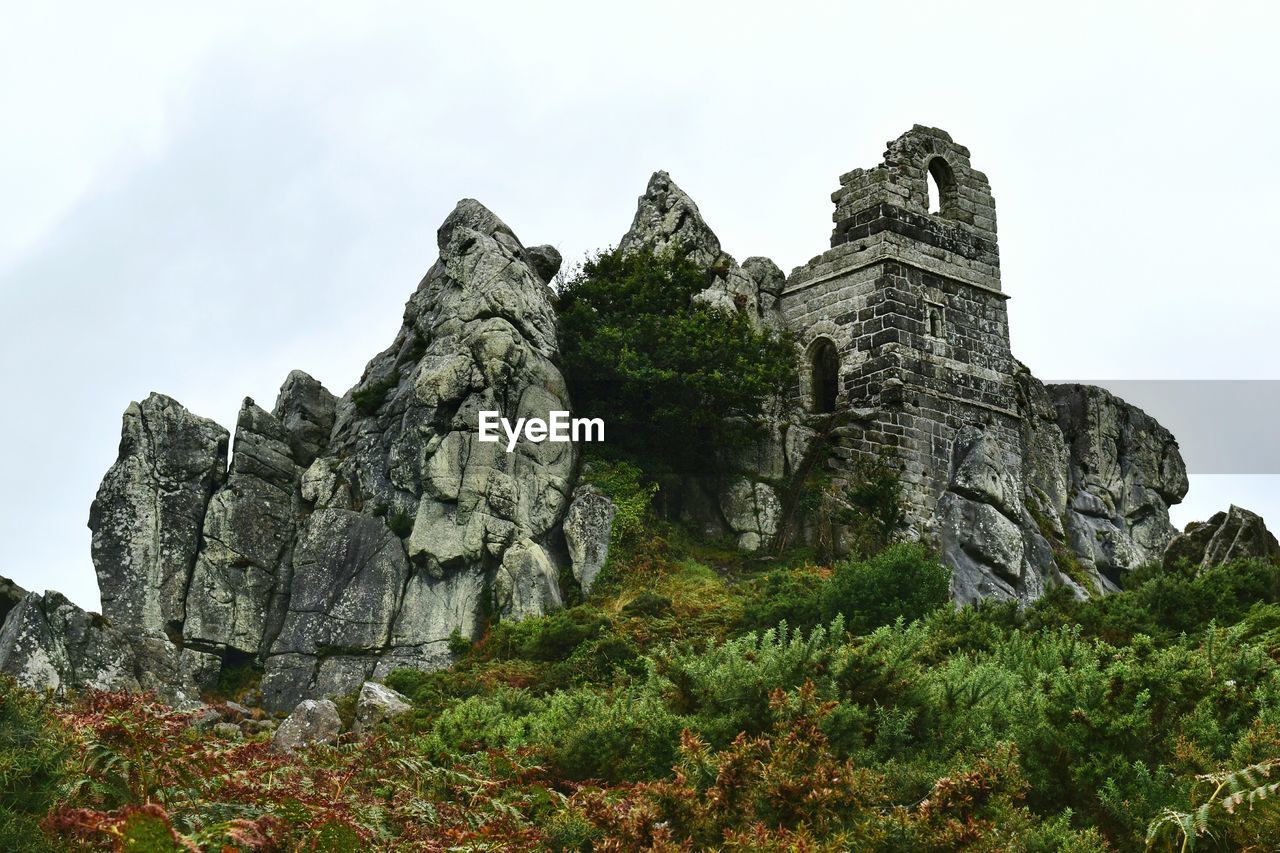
x=905 y=341
x=912 y=304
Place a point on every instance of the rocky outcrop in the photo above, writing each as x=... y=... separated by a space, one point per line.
x=1125 y=472
x=349 y=536
x=49 y=644
x=1087 y=501
x=247 y=537
x=313 y=721
x=1232 y=535
x=410 y=522
x=667 y=220
x=588 y=527
x=149 y=513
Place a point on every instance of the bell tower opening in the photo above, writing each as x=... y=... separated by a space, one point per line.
x=824 y=376
x=942 y=188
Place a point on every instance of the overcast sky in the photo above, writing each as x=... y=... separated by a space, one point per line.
x=197 y=202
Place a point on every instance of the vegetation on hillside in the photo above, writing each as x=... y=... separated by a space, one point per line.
x=700 y=699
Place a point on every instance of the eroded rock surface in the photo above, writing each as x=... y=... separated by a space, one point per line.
x=49 y=644
x=1087 y=501
x=149 y=513
x=313 y=721
x=247 y=539
x=378 y=703
x=588 y=526
x=1231 y=535
x=349 y=536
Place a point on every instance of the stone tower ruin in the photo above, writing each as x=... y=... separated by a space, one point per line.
x=902 y=321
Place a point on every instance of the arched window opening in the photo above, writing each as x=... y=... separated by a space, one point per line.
x=941 y=187
x=824 y=367
x=935 y=322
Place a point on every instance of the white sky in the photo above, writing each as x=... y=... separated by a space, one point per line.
x=196 y=202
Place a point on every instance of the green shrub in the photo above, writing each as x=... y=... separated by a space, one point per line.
x=724 y=688
x=458 y=644
x=400 y=524
x=369 y=398
x=546 y=638
x=679 y=383
x=33 y=753
x=784 y=595
x=589 y=735
x=904 y=581
x=875 y=497
x=623 y=483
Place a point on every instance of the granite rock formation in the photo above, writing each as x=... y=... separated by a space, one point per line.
x=149 y=512
x=667 y=220
x=348 y=536
x=1231 y=535
x=313 y=721
x=352 y=536
x=1087 y=500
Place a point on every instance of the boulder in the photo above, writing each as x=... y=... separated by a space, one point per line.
x=10 y=595
x=149 y=512
x=588 y=526
x=313 y=721
x=545 y=261
x=527 y=583
x=1231 y=535
x=377 y=703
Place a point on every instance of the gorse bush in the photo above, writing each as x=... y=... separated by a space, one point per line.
x=904 y=581
x=679 y=383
